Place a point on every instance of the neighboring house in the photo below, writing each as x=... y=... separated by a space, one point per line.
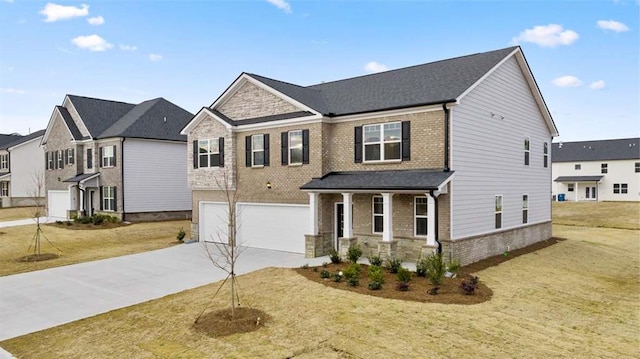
x=450 y=156
x=21 y=175
x=118 y=158
x=605 y=170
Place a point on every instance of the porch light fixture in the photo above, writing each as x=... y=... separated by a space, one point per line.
x=268 y=185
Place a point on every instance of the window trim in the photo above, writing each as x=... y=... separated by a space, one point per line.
x=374 y=214
x=381 y=142
x=4 y=162
x=70 y=158
x=108 y=161
x=209 y=152
x=570 y=187
x=527 y=151
x=545 y=155
x=89 y=159
x=525 y=208
x=416 y=216
x=254 y=151
x=604 y=168
x=620 y=188
x=50 y=160
x=60 y=159
x=111 y=200
x=577 y=167
x=4 y=189
x=498 y=212
x=290 y=148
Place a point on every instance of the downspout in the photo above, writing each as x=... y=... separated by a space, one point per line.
x=122 y=175
x=446 y=137
x=435 y=200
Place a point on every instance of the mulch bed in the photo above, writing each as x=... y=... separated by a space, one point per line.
x=38 y=257
x=89 y=226
x=449 y=291
x=220 y=323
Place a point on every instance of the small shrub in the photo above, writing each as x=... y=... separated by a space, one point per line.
x=85 y=220
x=435 y=268
x=393 y=264
x=324 y=264
x=454 y=266
x=375 y=260
x=352 y=271
x=433 y=291
x=402 y=286
x=111 y=219
x=354 y=253
x=181 y=234
x=421 y=267
x=404 y=275
x=315 y=269
x=469 y=286
x=68 y=223
x=373 y=285
x=334 y=256
x=325 y=274
x=305 y=266
x=98 y=219
x=353 y=282
x=58 y=222
x=338 y=277
x=375 y=274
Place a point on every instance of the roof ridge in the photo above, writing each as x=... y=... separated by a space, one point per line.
x=605 y=140
x=128 y=122
x=411 y=66
x=99 y=99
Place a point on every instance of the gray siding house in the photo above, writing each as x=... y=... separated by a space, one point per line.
x=19 y=173
x=118 y=158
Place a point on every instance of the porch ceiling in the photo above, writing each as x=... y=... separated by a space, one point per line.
x=5 y=176
x=399 y=180
x=578 y=179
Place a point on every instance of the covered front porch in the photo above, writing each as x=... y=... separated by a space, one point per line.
x=399 y=214
x=85 y=189
x=577 y=188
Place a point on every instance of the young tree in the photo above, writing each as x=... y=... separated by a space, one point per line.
x=37 y=193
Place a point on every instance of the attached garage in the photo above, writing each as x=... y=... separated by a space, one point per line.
x=271 y=226
x=58 y=203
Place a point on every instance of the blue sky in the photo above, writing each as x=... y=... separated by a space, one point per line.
x=583 y=54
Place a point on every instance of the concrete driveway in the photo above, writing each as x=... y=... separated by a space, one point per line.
x=39 y=300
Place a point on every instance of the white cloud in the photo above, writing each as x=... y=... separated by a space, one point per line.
x=373 y=66
x=597 y=85
x=550 y=35
x=128 y=47
x=281 y=4
x=155 y=57
x=612 y=25
x=567 y=81
x=12 y=91
x=92 y=43
x=55 y=12
x=98 y=20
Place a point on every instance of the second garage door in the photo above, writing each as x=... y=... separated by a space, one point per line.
x=271 y=226
x=58 y=203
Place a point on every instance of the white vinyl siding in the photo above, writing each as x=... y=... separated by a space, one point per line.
x=487 y=155
x=155 y=176
x=26 y=164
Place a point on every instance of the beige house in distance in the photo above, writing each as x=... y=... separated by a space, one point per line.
x=449 y=156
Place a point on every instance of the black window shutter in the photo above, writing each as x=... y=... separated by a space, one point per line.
x=195 y=154
x=89 y=158
x=266 y=149
x=305 y=146
x=406 y=140
x=62 y=162
x=66 y=156
x=247 y=151
x=72 y=156
x=284 y=147
x=357 y=141
x=114 y=155
x=100 y=158
x=115 y=199
x=221 y=150
x=46 y=160
x=101 y=197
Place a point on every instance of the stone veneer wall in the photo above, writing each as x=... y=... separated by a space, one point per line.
x=473 y=249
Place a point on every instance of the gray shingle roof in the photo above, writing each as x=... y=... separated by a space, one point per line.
x=152 y=119
x=578 y=179
x=7 y=139
x=81 y=177
x=71 y=125
x=431 y=83
x=602 y=150
x=23 y=139
x=418 y=180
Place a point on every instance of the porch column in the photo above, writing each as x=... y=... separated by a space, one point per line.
x=431 y=220
x=347 y=231
x=81 y=199
x=313 y=215
x=387 y=217
x=575 y=191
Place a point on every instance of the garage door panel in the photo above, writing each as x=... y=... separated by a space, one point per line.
x=279 y=226
x=213 y=222
x=58 y=203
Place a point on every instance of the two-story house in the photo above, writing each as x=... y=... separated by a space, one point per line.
x=604 y=170
x=21 y=177
x=118 y=158
x=450 y=156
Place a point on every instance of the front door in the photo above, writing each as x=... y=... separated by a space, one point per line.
x=338 y=223
x=590 y=192
x=90 y=206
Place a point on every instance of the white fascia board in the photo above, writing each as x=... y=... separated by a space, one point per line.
x=373 y=115
x=201 y=115
x=24 y=143
x=279 y=123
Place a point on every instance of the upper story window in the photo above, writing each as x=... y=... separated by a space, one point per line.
x=420 y=214
x=4 y=162
x=527 y=150
x=60 y=160
x=637 y=167
x=577 y=167
x=378 y=214
x=108 y=156
x=69 y=155
x=49 y=160
x=545 y=155
x=89 y=158
x=208 y=153
x=525 y=208
x=383 y=142
x=294 y=147
x=498 y=211
x=604 y=168
x=257 y=150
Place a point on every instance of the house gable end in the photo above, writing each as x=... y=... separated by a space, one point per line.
x=252 y=101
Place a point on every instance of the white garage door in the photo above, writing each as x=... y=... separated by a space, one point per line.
x=58 y=203
x=271 y=226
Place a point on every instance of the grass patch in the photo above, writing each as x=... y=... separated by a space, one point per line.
x=83 y=245
x=571 y=299
x=623 y=215
x=15 y=213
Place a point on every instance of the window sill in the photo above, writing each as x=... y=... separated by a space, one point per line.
x=260 y=166
x=295 y=164
x=383 y=162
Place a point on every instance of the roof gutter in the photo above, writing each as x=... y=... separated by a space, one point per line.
x=122 y=175
x=446 y=136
